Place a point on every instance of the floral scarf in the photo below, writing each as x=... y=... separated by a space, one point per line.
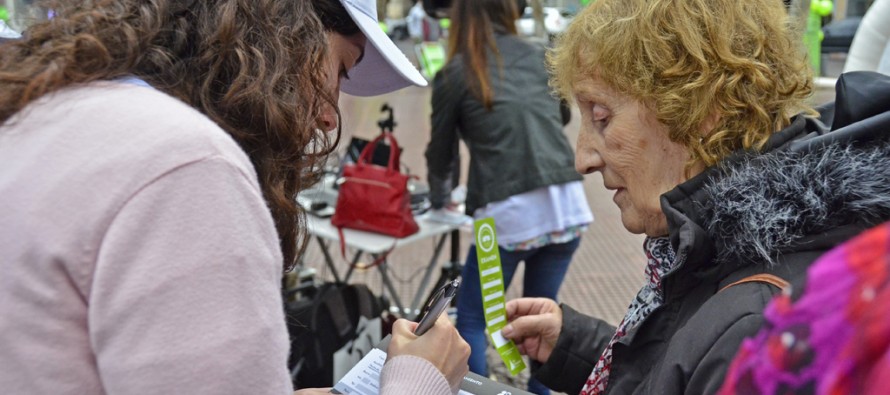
x=660 y=257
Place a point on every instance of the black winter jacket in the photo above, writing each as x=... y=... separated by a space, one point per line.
x=771 y=212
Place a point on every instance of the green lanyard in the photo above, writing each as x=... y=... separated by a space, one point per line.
x=491 y=279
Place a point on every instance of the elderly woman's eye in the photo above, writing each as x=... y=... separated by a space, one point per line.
x=600 y=114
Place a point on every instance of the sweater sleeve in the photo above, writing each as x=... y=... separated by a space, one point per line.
x=582 y=340
x=185 y=295
x=409 y=375
x=444 y=139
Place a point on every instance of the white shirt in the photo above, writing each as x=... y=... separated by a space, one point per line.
x=538 y=212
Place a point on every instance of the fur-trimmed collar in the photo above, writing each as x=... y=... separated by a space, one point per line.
x=763 y=205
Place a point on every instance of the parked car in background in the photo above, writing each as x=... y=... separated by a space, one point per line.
x=555 y=21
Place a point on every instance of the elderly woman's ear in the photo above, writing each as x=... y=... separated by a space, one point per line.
x=709 y=124
x=699 y=151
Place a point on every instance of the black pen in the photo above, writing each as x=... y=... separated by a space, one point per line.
x=437 y=305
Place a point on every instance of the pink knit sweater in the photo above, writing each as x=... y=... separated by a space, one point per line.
x=137 y=255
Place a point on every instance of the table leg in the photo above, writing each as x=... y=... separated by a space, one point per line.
x=389 y=286
x=355 y=258
x=327 y=258
x=455 y=246
x=415 y=304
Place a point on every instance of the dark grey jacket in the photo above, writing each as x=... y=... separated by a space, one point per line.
x=517 y=147
x=774 y=212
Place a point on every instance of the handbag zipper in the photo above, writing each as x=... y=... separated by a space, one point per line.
x=364 y=181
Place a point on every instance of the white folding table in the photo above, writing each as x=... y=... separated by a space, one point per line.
x=376 y=245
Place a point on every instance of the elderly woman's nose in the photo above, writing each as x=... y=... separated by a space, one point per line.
x=587 y=158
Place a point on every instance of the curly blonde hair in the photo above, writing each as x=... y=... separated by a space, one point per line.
x=739 y=64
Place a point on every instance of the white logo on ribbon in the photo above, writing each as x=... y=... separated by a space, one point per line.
x=485 y=237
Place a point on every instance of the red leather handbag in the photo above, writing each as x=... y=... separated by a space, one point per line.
x=375 y=198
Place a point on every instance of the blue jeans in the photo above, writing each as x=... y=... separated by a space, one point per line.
x=545 y=268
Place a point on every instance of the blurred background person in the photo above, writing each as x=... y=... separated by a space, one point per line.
x=694 y=113
x=493 y=94
x=415 y=20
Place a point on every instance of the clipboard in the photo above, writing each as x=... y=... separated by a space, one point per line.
x=360 y=380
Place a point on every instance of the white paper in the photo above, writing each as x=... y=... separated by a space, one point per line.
x=450 y=217
x=498 y=339
x=364 y=378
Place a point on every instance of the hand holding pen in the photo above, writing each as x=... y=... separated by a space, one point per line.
x=440 y=301
x=441 y=345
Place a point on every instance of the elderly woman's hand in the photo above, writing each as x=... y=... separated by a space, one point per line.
x=534 y=326
x=441 y=345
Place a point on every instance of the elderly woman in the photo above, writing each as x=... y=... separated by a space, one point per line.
x=694 y=113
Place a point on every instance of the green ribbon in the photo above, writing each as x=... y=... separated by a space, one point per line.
x=491 y=280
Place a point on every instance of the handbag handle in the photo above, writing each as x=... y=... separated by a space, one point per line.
x=365 y=157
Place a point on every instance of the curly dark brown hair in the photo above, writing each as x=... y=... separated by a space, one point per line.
x=255 y=67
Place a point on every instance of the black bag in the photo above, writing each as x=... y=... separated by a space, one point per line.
x=321 y=322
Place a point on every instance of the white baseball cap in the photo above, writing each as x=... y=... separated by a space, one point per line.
x=384 y=68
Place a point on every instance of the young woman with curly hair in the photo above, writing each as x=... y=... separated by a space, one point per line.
x=150 y=154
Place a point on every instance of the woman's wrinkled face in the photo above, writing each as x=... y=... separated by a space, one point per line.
x=621 y=138
x=345 y=53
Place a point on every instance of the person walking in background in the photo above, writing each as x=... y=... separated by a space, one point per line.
x=695 y=113
x=494 y=95
x=415 y=20
x=150 y=155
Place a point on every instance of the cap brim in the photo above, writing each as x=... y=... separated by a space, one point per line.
x=384 y=68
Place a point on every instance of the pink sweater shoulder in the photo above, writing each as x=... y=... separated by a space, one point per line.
x=138 y=253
